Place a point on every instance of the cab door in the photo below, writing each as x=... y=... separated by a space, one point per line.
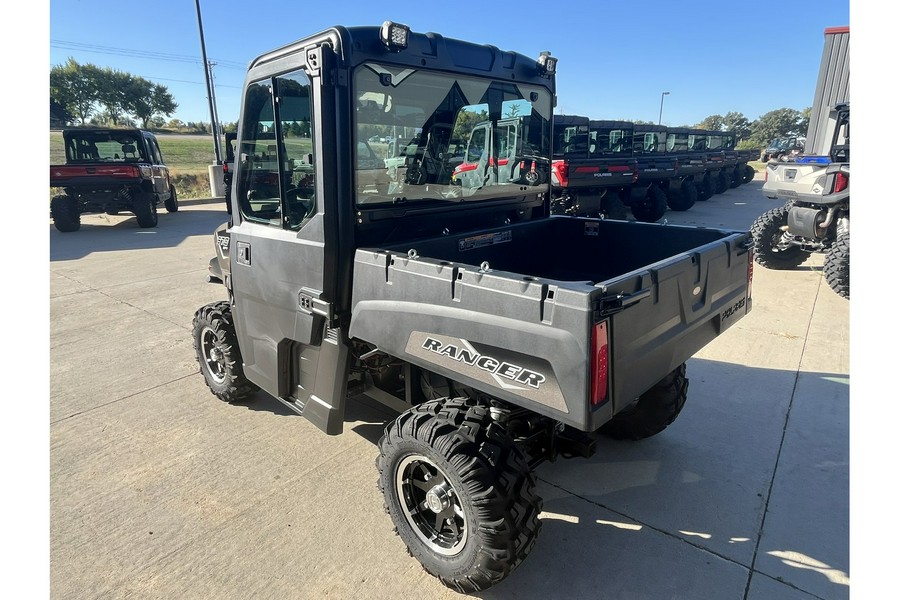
x=279 y=280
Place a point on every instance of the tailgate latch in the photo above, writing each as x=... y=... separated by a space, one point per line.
x=613 y=303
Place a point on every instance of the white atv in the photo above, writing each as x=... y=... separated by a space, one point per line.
x=816 y=213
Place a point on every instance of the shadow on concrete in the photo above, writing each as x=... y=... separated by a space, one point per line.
x=105 y=233
x=701 y=510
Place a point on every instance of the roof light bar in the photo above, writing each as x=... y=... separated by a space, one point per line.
x=547 y=64
x=394 y=36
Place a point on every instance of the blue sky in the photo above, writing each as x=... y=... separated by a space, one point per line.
x=615 y=58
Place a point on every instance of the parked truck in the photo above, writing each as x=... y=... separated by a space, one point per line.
x=504 y=336
x=109 y=171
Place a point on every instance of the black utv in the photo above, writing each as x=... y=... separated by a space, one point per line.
x=592 y=167
x=108 y=171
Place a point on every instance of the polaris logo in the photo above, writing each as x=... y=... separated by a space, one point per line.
x=470 y=356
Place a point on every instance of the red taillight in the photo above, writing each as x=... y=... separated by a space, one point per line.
x=224 y=167
x=600 y=364
x=841 y=181
x=587 y=169
x=561 y=170
x=123 y=171
x=619 y=168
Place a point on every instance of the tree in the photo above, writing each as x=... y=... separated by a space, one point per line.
x=803 y=125
x=465 y=123
x=114 y=93
x=781 y=122
x=59 y=114
x=138 y=99
x=163 y=102
x=711 y=123
x=83 y=90
x=76 y=88
x=738 y=123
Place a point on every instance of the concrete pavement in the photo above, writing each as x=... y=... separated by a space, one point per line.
x=158 y=490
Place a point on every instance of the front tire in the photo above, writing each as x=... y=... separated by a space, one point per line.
x=651 y=207
x=460 y=493
x=218 y=354
x=172 y=202
x=144 y=208
x=837 y=266
x=771 y=247
x=653 y=411
x=65 y=213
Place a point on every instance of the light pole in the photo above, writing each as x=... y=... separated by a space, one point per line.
x=661 y=99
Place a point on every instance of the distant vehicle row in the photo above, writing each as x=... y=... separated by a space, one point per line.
x=600 y=167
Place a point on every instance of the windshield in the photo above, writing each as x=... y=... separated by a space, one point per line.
x=607 y=141
x=104 y=146
x=424 y=136
x=678 y=142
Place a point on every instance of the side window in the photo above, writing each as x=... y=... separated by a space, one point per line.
x=155 y=154
x=277 y=178
x=615 y=140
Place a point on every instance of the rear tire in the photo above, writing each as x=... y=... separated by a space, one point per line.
x=653 y=411
x=769 y=246
x=65 y=213
x=651 y=207
x=144 y=208
x=837 y=266
x=460 y=492
x=737 y=177
x=722 y=182
x=613 y=207
x=749 y=173
x=706 y=189
x=685 y=198
x=172 y=202
x=218 y=354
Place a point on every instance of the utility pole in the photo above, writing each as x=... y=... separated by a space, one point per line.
x=209 y=89
x=215 y=106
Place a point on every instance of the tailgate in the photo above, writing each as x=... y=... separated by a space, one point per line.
x=587 y=173
x=794 y=180
x=656 y=167
x=662 y=315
